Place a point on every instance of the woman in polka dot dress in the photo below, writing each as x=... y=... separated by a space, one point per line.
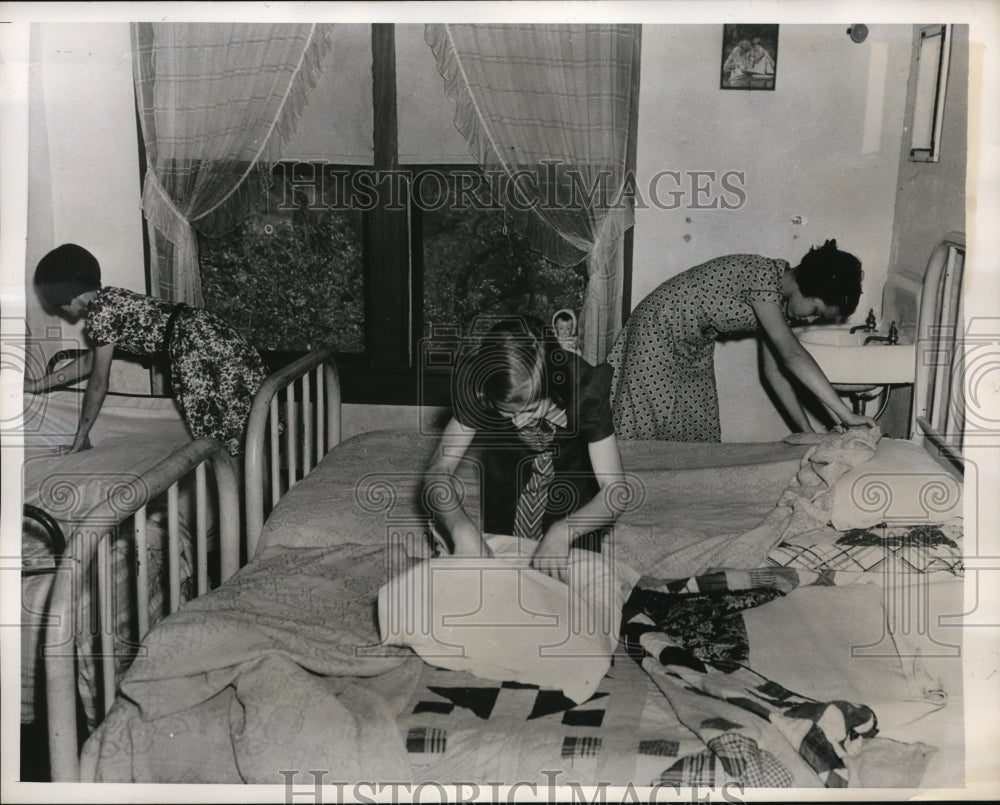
x=214 y=373
x=663 y=360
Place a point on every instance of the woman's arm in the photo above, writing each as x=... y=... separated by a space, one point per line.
x=63 y=376
x=93 y=397
x=446 y=507
x=783 y=389
x=800 y=363
x=552 y=552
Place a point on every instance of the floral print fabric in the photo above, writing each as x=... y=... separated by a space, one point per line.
x=213 y=371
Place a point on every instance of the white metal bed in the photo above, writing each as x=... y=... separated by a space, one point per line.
x=89 y=546
x=294 y=422
x=938 y=412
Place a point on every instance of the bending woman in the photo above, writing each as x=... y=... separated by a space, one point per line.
x=214 y=373
x=551 y=470
x=663 y=360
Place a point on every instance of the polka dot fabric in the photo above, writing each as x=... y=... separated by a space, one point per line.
x=664 y=359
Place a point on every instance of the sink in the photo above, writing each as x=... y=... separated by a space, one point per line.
x=847 y=361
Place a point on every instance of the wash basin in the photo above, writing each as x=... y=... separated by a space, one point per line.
x=847 y=361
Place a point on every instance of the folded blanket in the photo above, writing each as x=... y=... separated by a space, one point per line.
x=499 y=619
x=669 y=536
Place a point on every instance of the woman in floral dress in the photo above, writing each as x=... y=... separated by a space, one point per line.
x=663 y=360
x=214 y=373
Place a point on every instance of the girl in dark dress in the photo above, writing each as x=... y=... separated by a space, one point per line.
x=540 y=420
x=214 y=373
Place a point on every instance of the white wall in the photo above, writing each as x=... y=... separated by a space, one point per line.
x=824 y=145
x=83 y=170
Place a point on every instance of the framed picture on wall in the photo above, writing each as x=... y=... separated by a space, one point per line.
x=749 y=56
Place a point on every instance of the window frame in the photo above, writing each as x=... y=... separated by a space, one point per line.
x=388 y=371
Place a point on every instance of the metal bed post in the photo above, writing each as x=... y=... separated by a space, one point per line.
x=938 y=353
x=262 y=461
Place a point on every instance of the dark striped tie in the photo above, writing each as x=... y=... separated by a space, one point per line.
x=534 y=497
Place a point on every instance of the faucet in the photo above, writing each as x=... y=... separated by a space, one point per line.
x=892 y=338
x=868 y=326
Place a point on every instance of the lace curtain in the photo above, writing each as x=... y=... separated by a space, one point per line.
x=216 y=102
x=546 y=111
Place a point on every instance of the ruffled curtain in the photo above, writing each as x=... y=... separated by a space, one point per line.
x=216 y=102
x=546 y=111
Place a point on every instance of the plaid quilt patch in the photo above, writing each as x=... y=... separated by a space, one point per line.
x=426 y=739
x=460 y=727
x=880 y=549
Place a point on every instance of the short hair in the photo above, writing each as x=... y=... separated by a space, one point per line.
x=515 y=353
x=66 y=272
x=831 y=275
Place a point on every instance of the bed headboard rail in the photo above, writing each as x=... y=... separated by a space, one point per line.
x=294 y=422
x=938 y=414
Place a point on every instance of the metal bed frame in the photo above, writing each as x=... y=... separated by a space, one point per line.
x=89 y=545
x=278 y=455
x=938 y=413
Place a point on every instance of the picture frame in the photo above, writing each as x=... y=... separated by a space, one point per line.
x=749 y=57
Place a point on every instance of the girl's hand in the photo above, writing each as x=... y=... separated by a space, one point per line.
x=852 y=420
x=552 y=554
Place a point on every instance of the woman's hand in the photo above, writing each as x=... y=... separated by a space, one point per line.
x=31 y=386
x=552 y=554
x=853 y=420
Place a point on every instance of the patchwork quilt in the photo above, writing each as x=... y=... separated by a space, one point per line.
x=681 y=706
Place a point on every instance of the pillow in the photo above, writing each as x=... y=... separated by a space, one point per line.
x=499 y=619
x=900 y=485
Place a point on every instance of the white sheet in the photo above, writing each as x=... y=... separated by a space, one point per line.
x=499 y=619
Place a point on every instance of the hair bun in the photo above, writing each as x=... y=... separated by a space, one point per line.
x=830 y=244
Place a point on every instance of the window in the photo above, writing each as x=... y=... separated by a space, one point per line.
x=375 y=257
x=291 y=277
x=473 y=264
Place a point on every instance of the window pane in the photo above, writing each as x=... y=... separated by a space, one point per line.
x=292 y=276
x=473 y=267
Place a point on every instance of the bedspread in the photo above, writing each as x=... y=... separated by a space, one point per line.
x=279 y=671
